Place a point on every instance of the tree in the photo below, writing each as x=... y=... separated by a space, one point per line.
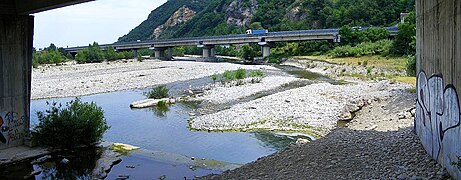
x=403 y=41
x=110 y=53
x=256 y=25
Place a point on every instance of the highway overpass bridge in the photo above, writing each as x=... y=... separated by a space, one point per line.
x=209 y=42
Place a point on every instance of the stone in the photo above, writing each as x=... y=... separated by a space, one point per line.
x=172 y=100
x=402 y=176
x=64 y=161
x=42 y=159
x=302 y=141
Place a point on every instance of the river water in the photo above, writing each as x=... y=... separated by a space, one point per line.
x=167 y=144
x=159 y=131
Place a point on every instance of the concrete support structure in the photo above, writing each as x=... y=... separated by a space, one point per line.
x=438 y=49
x=16 y=36
x=266 y=49
x=159 y=53
x=170 y=54
x=135 y=53
x=208 y=51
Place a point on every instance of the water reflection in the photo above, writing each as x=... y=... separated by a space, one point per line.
x=80 y=166
x=160 y=111
x=273 y=140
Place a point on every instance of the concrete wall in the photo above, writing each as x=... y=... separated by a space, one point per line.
x=16 y=35
x=439 y=80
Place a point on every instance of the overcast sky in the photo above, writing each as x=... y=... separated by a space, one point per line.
x=103 y=21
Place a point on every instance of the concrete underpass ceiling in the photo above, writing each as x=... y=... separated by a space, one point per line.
x=25 y=7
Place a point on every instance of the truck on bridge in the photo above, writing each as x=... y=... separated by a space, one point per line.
x=256 y=32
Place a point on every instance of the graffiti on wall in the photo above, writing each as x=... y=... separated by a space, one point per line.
x=11 y=127
x=437 y=121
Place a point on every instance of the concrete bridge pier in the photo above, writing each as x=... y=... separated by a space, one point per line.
x=266 y=49
x=209 y=53
x=159 y=53
x=170 y=54
x=16 y=36
x=135 y=53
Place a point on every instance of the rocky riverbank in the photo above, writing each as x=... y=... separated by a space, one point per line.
x=316 y=108
x=375 y=141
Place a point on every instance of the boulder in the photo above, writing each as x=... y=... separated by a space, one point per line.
x=151 y=102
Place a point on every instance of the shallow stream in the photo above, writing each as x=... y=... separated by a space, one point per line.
x=167 y=144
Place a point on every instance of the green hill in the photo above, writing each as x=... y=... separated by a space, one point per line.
x=189 y=18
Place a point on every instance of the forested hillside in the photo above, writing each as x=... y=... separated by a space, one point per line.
x=219 y=17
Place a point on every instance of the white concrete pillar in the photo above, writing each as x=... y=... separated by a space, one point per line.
x=266 y=51
x=206 y=52
x=159 y=53
x=213 y=52
x=16 y=39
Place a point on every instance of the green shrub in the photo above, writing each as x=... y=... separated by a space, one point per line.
x=78 y=123
x=240 y=73
x=158 y=92
x=411 y=66
x=110 y=53
x=47 y=57
x=229 y=75
x=214 y=77
x=381 y=47
x=161 y=103
x=93 y=53
x=256 y=76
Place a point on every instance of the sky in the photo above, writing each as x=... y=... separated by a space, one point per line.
x=103 y=21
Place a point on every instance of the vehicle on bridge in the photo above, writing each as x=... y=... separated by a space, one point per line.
x=256 y=32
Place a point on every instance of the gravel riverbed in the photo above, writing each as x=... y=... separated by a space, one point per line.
x=377 y=143
x=85 y=79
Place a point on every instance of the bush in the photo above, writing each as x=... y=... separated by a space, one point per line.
x=78 y=123
x=91 y=54
x=47 y=57
x=214 y=77
x=240 y=73
x=110 y=54
x=411 y=66
x=229 y=75
x=256 y=76
x=158 y=92
x=381 y=47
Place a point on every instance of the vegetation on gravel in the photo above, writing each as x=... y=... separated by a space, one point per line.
x=158 y=92
x=77 y=123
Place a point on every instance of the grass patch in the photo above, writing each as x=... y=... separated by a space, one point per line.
x=408 y=80
x=158 y=92
x=388 y=63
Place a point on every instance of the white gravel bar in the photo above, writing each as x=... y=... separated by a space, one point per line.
x=220 y=93
x=85 y=79
x=316 y=106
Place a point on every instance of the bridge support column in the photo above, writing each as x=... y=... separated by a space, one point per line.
x=266 y=50
x=209 y=53
x=16 y=37
x=170 y=54
x=135 y=53
x=159 y=53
